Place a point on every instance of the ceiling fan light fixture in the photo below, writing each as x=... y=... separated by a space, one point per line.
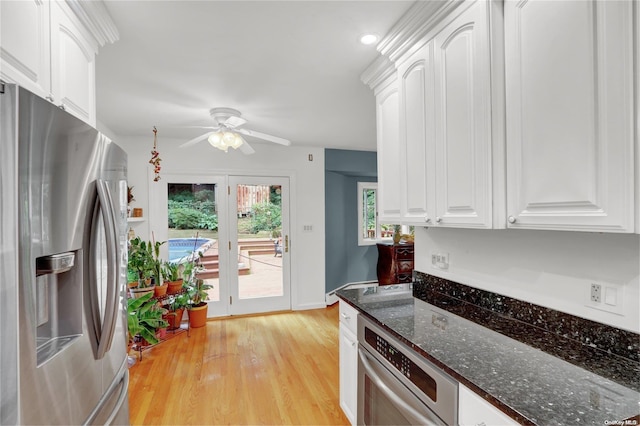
x=224 y=140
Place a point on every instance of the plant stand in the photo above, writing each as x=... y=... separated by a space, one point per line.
x=171 y=332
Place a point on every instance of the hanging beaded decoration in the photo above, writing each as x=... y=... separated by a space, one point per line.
x=155 y=156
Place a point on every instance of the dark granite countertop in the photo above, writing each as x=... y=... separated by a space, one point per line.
x=527 y=383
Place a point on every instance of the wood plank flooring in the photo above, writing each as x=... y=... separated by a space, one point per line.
x=270 y=369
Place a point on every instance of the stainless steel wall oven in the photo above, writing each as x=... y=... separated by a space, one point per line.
x=397 y=386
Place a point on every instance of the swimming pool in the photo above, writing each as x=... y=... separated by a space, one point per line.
x=183 y=249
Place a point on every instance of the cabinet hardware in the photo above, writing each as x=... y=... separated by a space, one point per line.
x=438 y=219
x=512 y=219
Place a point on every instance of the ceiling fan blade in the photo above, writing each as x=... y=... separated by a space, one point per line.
x=245 y=147
x=196 y=140
x=234 y=121
x=270 y=138
x=200 y=127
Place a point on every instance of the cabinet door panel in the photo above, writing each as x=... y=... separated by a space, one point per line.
x=73 y=63
x=388 y=110
x=463 y=121
x=569 y=115
x=24 y=54
x=417 y=133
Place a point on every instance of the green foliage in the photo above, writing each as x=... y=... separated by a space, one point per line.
x=182 y=196
x=141 y=263
x=204 y=195
x=193 y=215
x=171 y=271
x=184 y=218
x=265 y=217
x=144 y=317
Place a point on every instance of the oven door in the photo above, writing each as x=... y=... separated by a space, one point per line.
x=384 y=400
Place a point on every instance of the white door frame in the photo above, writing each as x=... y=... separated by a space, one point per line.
x=158 y=217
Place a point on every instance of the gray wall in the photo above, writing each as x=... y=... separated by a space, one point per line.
x=345 y=261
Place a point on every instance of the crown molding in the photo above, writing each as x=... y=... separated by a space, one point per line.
x=378 y=73
x=96 y=19
x=414 y=25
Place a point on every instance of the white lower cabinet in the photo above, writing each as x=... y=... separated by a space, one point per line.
x=348 y=361
x=475 y=411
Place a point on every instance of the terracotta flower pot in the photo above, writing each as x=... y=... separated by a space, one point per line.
x=160 y=290
x=175 y=318
x=174 y=286
x=198 y=316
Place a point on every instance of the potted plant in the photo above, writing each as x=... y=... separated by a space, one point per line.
x=176 y=304
x=141 y=265
x=144 y=318
x=160 y=288
x=197 y=292
x=172 y=275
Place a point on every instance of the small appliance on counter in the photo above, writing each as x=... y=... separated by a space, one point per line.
x=63 y=236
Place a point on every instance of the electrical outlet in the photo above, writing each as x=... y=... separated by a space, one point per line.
x=596 y=293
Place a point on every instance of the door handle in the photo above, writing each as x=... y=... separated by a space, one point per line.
x=286 y=244
x=105 y=330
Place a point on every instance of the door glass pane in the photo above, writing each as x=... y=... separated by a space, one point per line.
x=260 y=244
x=193 y=229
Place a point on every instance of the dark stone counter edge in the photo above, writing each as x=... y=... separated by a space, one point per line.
x=598 y=336
x=506 y=409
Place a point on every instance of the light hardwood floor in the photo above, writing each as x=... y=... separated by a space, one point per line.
x=269 y=369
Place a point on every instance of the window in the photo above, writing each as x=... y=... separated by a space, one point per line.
x=368 y=227
x=370 y=230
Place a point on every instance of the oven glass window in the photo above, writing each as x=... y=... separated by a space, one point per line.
x=378 y=410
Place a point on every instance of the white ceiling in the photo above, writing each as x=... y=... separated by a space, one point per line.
x=291 y=67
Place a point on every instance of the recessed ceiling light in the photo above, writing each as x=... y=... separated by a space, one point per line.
x=369 y=39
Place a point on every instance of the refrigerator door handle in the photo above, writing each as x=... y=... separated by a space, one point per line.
x=106 y=330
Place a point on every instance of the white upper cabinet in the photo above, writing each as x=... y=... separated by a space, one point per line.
x=46 y=47
x=24 y=45
x=389 y=167
x=570 y=125
x=463 y=121
x=417 y=136
x=73 y=59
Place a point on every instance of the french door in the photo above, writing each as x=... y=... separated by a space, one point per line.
x=243 y=238
x=258 y=244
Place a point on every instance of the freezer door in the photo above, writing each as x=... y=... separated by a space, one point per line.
x=113 y=408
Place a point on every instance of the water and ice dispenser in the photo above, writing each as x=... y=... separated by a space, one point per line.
x=58 y=302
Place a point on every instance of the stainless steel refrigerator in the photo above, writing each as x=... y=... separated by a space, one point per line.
x=63 y=260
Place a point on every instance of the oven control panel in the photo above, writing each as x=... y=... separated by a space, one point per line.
x=402 y=363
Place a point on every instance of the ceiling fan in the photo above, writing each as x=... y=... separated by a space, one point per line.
x=228 y=130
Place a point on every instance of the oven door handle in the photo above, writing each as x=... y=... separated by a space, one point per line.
x=399 y=402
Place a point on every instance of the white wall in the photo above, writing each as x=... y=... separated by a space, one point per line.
x=306 y=186
x=549 y=268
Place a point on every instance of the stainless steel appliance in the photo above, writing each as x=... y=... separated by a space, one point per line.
x=62 y=267
x=397 y=386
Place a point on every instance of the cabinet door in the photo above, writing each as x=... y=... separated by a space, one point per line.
x=417 y=136
x=388 y=116
x=569 y=115
x=473 y=410
x=348 y=373
x=73 y=58
x=24 y=45
x=463 y=121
